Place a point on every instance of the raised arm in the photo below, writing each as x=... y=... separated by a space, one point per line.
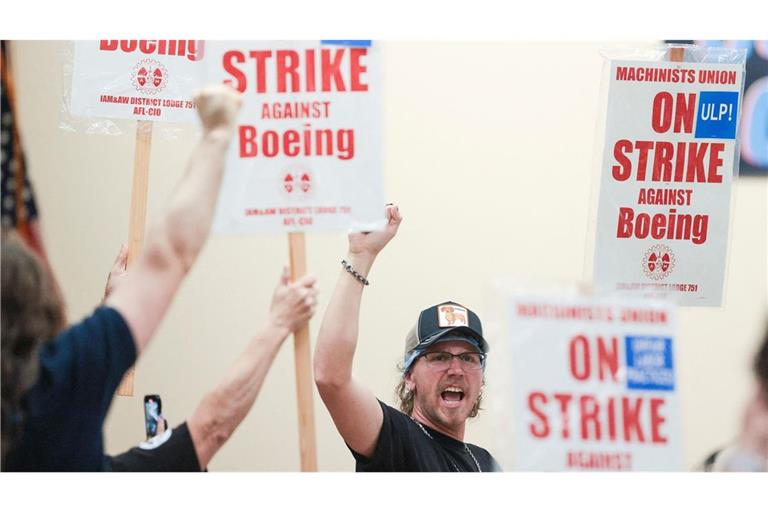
x=173 y=242
x=353 y=407
x=223 y=409
x=117 y=273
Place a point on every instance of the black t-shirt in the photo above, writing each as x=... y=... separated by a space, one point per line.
x=80 y=370
x=404 y=446
x=171 y=451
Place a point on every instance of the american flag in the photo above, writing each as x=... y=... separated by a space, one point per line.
x=19 y=210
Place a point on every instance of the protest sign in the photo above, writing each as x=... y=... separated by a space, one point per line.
x=667 y=168
x=307 y=150
x=594 y=384
x=306 y=157
x=149 y=80
x=144 y=80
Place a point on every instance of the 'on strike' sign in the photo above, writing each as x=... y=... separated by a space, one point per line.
x=594 y=385
x=668 y=164
x=306 y=154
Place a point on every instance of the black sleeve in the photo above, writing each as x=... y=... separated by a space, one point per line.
x=391 y=451
x=80 y=370
x=487 y=462
x=86 y=362
x=176 y=453
x=495 y=466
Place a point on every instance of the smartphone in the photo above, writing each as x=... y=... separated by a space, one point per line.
x=153 y=408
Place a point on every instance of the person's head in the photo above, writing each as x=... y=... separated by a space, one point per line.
x=443 y=366
x=761 y=363
x=32 y=314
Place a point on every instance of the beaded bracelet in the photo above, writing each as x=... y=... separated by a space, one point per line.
x=354 y=272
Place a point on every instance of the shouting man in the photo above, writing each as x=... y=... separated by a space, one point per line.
x=442 y=377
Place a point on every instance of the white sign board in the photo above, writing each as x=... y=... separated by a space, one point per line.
x=307 y=152
x=668 y=164
x=594 y=385
x=149 y=80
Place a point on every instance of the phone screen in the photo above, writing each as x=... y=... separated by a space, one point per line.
x=153 y=407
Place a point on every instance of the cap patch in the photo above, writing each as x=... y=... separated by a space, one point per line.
x=451 y=315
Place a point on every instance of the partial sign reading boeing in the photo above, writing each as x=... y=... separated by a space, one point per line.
x=149 y=80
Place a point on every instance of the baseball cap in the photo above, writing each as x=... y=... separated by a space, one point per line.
x=445 y=321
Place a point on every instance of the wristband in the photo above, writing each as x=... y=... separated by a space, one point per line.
x=354 y=272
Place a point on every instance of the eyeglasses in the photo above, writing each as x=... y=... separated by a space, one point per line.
x=442 y=360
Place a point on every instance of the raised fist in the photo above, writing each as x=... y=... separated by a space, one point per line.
x=217 y=106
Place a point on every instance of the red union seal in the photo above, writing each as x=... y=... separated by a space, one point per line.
x=149 y=76
x=658 y=262
x=288 y=183
x=306 y=182
x=296 y=182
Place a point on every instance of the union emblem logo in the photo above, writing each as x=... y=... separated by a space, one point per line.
x=296 y=182
x=658 y=262
x=288 y=183
x=306 y=182
x=149 y=76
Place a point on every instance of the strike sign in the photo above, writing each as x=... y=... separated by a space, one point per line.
x=594 y=385
x=148 y=80
x=667 y=167
x=306 y=155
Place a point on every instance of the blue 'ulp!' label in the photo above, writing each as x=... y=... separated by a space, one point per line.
x=649 y=363
x=717 y=115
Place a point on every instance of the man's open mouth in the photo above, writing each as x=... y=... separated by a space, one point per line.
x=452 y=395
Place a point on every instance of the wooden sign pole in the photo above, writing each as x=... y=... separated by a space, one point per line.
x=676 y=54
x=138 y=215
x=303 y=360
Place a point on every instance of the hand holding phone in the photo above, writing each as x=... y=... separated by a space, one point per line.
x=153 y=409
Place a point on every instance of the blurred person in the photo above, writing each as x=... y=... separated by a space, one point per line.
x=749 y=451
x=191 y=445
x=32 y=313
x=440 y=387
x=57 y=385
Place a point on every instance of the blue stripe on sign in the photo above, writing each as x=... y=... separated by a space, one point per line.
x=347 y=42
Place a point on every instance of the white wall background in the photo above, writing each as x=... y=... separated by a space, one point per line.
x=488 y=151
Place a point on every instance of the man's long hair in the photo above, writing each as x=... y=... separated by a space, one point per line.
x=32 y=314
